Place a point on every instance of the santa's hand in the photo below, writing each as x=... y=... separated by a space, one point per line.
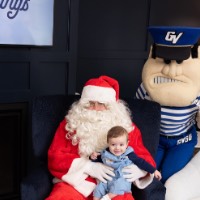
x=100 y=171
x=132 y=173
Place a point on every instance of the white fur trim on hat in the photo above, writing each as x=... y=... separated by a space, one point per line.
x=100 y=94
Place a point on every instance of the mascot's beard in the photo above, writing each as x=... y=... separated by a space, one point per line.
x=91 y=128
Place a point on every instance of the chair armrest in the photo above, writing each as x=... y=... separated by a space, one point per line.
x=37 y=185
x=155 y=191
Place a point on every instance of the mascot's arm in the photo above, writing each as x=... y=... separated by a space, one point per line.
x=61 y=152
x=135 y=141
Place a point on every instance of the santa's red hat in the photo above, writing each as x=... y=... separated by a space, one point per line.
x=103 y=89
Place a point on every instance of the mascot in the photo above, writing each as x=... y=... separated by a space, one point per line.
x=171 y=77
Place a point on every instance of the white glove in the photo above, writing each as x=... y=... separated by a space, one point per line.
x=132 y=173
x=100 y=171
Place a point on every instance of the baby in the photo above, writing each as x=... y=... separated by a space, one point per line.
x=118 y=155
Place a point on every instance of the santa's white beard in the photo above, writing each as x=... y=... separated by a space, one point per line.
x=92 y=126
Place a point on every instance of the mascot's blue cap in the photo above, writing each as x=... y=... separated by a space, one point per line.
x=174 y=43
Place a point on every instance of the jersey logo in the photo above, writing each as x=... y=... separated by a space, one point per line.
x=185 y=139
x=171 y=36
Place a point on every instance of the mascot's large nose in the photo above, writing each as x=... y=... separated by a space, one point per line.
x=172 y=69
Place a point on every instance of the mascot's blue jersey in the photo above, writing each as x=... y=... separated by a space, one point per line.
x=174 y=120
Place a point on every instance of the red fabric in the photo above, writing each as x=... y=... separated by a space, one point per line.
x=127 y=196
x=63 y=191
x=62 y=153
x=135 y=141
x=105 y=81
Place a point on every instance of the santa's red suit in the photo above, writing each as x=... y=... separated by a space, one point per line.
x=64 y=158
x=71 y=170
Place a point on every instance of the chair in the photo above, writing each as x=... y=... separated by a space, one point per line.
x=48 y=111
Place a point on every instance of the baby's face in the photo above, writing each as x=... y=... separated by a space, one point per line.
x=117 y=146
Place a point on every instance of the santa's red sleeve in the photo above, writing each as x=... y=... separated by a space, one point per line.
x=65 y=164
x=136 y=142
x=61 y=152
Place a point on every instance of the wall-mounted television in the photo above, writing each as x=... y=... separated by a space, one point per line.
x=26 y=22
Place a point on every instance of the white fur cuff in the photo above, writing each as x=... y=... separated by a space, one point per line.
x=144 y=182
x=76 y=176
x=85 y=188
x=106 y=197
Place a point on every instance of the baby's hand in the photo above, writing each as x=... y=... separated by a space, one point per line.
x=94 y=155
x=157 y=175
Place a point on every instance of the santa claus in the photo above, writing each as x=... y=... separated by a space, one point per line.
x=82 y=132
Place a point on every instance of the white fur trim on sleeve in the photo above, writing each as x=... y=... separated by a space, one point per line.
x=76 y=176
x=142 y=183
x=85 y=188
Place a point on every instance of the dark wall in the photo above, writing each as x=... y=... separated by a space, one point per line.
x=29 y=71
x=113 y=37
x=91 y=38
x=113 y=41
x=25 y=72
x=175 y=13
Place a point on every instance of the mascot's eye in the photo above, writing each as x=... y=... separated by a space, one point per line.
x=179 y=61
x=167 y=61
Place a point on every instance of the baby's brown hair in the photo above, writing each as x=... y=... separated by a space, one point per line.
x=116 y=131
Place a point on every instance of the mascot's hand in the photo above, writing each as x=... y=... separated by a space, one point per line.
x=132 y=173
x=100 y=171
x=198 y=119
